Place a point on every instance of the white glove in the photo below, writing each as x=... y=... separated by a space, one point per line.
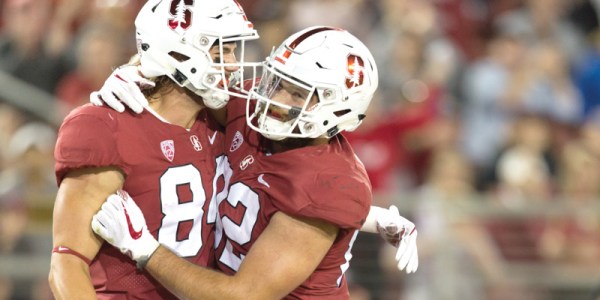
x=402 y=234
x=121 y=223
x=123 y=86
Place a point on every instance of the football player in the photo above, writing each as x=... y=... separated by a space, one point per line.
x=297 y=193
x=166 y=157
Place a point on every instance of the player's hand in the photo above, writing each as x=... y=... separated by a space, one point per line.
x=121 y=223
x=402 y=234
x=123 y=87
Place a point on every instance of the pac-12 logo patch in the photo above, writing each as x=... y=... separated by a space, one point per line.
x=168 y=149
x=237 y=141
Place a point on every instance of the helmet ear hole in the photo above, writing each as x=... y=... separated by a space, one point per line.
x=178 y=56
x=340 y=113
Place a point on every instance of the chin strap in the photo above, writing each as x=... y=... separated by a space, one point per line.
x=214 y=99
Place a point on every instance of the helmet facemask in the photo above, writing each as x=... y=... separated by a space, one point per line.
x=219 y=78
x=275 y=119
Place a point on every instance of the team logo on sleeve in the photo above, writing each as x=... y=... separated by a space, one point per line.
x=168 y=149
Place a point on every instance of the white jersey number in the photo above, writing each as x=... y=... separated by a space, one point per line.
x=240 y=196
x=175 y=212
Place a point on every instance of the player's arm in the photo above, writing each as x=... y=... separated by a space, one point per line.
x=80 y=195
x=285 y=254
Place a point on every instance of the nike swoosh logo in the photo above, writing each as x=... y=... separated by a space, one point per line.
x=212 y=139
x=134 y=234
x=262 y=180
x=61 y=248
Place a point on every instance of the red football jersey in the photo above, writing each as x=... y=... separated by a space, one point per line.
x=169 y=173
x=326 y=182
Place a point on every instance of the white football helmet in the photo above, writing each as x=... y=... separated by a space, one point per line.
x=327 y=62
x=174 y=38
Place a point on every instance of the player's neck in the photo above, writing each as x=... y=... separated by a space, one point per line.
x=177 y=107
x=289 y=144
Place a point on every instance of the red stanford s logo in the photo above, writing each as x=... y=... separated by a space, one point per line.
x=182 y=16
x=356 y=73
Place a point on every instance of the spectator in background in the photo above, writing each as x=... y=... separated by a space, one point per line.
x=587 y=75
x=570 y=241
x=27 y=189
x=10 y=120
x=415 y=45
x=419 y=75
x=453 y=239
x=523 y=186
x=29 y=171
x=446 y=191
x=100 y=47
x=357 y=16
x=119 y=13
x=515 y=80
x=573 y=240
x=542 y=85
x=396 y=141
x=421 y=64
x=32 y=43
x=543 y=20
x=584 y=15
x=13 y=241
x=6 y=287
x=485 y=119
x=524 y=169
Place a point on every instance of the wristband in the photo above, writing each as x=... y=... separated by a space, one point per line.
x=67 y=250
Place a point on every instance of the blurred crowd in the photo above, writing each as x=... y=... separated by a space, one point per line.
x=485 y=131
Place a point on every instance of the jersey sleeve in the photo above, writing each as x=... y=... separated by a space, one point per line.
x=86 y=141
x=342 y=200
